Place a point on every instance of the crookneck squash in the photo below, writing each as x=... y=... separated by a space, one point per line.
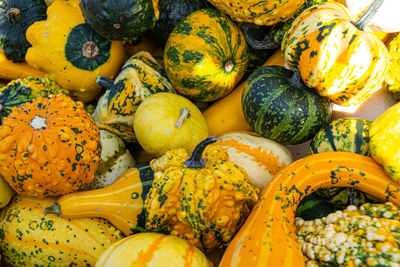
x=71 y=52
x=120 y=19
x=30 y=238
x=25 y=90
x=140 y=77
x=153 y=249
x=121 y=203
x=49 y=147
x=15 y=18
x=334 y=55
x=203 y=198
x=268 y=236
x=206 y=55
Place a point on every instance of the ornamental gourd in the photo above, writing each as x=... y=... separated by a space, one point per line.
x=334 y=55
x=268 y=236
x=67 y=49
x=6 y=193
x=49 y=147
x=392 y=78
x=206 y=55
x=203 y=198
x=140 y=77
x=10 y=70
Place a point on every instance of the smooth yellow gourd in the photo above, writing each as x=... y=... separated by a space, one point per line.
x=6 y=193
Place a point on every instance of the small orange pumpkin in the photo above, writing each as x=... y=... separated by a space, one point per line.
x=49 y=147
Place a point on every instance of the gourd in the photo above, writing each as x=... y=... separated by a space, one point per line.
x=383 y=142
x=120 y=19
x=205 y=56
x=15 y=18
x=140 y=77
x=121 y=203
x=259 y=12
x=166 y=121
x=334 y=55
x=153 y=249
x=10 y=70
x=20 y=91
x=203 y=198
x=392 y=78
x=278 y=105
x=260 y=157
x=68 y=50
x=313 y=207
x=6 y=193
x=49 y=147
x=226 y=115
x=30 y=238
x=268 y=236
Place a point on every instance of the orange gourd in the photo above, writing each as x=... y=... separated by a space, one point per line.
x=49 y=147
x=268 y=237
x=10 y=70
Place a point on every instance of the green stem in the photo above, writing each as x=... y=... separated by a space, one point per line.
x=53 y=209
x=185 y=113
x=296 y=80
x=105 y=82
x=14 y=15
x=368 y=15
x=196 y=161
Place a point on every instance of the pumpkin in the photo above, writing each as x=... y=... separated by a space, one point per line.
x=140 y=77
x=153 y=249
x=166 y=121
x=205 y=56
x=392 y=78
x=260 y=157
x=6 y=193
x=121 y=203
x=384 y=143
x=267 y=238
x=20 y=91
x=278 y=105
x=226 y=115
x=203 y=198
x=259 y=12
x=120 y=19
x=67 y=49
x=10 y=70
x=15 y=18
x=49 y=147
x=334 y=55
x=30 y=238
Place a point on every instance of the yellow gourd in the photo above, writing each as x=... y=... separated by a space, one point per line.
x=6 y=193
x=10 y=70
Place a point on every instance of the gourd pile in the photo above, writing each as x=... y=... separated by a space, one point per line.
x=199 y=133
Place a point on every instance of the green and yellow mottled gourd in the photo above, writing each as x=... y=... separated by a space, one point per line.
x=30 y=238
x=206 y=55
x=140 y=77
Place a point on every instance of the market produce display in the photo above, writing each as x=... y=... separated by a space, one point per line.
x=199 y=133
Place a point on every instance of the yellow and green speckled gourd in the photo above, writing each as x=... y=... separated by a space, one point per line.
x=259 y=12
x=71 y=52
x=334 y=55
x=140 y=77
x=30 y=238
x=203 y=200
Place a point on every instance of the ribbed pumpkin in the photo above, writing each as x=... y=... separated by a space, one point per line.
x=205 y=55
x=259 y=12
x=71 y=52
x=334 y=55
x=140 y=77
x=153 y=249
x=30 y=238
x=49 y=147
x=25 y=90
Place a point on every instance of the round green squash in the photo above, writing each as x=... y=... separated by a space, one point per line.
x=15 y=18
x=205 y=56
x=120 y=19
x=278 y=105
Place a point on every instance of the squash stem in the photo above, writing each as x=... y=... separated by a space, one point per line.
x=14 y=15
x=267 y=43
x=368 y=15
x=196 y=161
x=53 y=209
x=229 y=66
x=105 y=82
x=90 y=49
x=295 y=80
x=352 y=197
x=185 y=113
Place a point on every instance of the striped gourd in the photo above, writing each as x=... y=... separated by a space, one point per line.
x=206 y=55
x=30 y=238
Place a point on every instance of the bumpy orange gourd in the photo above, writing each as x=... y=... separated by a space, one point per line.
x=49 y=147
x=268 y=236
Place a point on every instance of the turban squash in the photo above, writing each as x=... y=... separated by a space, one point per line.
x=49 y=147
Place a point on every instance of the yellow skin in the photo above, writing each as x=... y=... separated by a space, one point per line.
x=48 y=39
x=6 y=193
x=384 y=142
x=155 y=119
